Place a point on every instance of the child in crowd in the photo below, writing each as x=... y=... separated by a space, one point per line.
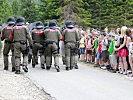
x=99 y=51
x=89 y=45
x=112 y=54
x=105 y=54
x=95 y=46
x=82 y=47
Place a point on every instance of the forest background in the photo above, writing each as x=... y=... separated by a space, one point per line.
x=87 y=13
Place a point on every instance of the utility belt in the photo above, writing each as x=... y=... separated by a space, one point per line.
x=69 y=42
x=21 y=42
x=36 y=42
x=46 y=43
x=74 y=50
x=8 y=41
x=42 y=42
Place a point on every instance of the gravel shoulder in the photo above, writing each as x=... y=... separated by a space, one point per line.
x=19 y=87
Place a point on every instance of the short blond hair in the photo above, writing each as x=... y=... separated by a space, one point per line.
x=123 y=30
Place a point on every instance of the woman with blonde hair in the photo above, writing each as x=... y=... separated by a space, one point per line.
x=122 y=51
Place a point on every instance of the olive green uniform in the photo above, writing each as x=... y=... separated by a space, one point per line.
x=77 y=46
x=70 y=38
x=8 y=45
x=20 y=36
x=52 y=37
x=38 y=37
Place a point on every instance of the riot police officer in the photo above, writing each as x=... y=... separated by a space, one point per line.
x=46 y=25
x=20 y=36
x=8 y=45
x=70 y=37
x=38 y=40
x=52 y=37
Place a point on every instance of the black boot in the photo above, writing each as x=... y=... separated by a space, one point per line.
x=76 y=66
x=13 y=69
x=42 y=66
x=25 y=68
x=108 y=67
x=17 y=72
x=57 y=68
x=71 y=67
x=33 y=65
x=6 y=68
x=29 y=61
x=36 y=63
x=48 y=67
x=67 y=68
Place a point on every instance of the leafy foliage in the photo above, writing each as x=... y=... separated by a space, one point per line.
x=88 y=13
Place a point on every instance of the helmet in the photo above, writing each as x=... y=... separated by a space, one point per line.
x=54 y=20
x=20 y=21
x=52 y=24
x=39 y=25
x=46 y=25
x=11 y=21
x=69 y=24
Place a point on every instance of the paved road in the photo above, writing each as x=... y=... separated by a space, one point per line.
x=86 y=83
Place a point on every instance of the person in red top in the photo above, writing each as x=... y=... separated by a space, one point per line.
x=99 y=51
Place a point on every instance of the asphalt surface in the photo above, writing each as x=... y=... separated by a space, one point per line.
x=85 y=83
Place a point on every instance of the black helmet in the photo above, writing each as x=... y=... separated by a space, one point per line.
x=46 y=25
x=11 y=21
x=39 y=25
x=52 y=24
x=20 y=21
x=69 y=24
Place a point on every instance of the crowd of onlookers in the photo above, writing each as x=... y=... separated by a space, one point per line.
x=112 y=50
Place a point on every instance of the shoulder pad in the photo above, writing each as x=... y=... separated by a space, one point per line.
x=38 y=31
x=19 y=27
x=52 y=30
x=70 y=30
x=9 y=27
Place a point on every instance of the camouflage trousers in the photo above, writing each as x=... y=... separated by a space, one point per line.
x=6 y=50
x=20 y=50
x=52 y=49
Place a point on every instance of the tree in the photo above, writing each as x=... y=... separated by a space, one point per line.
x=50 y=9
x=76 y=10
x=29 y=10
x=5 y=10
x=16 y=6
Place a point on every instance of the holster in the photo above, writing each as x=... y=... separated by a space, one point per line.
x=23 y=42
x=8 y=41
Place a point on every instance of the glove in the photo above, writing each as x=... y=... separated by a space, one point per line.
x=31 y=46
